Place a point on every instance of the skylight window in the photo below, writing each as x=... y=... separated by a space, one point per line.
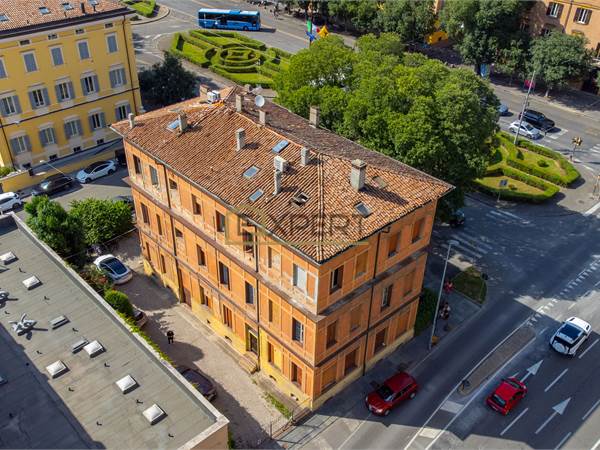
x=93 y=2
x=280 y=146
x=300 y=199
x=380 y=182
x=44 y=10
x=362 y=209
x=251 y=171
x=67 y=6
x=173 y=125
x=3 y=18
x=257 y=194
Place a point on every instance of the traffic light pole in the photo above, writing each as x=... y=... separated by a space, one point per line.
x=531 y=83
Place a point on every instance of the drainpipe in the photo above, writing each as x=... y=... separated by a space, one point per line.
x=179 y=281
x=135 y=107
x=364 y=368
x=256 y=247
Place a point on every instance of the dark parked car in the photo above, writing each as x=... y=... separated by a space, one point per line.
x=457 y=218
x=538 y=120
x=199 y=381
x=53 y=184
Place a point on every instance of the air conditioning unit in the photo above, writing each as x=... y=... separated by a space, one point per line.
x=280 y=164
x=213 y=96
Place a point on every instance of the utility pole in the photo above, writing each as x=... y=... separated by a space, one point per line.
x=525 y=104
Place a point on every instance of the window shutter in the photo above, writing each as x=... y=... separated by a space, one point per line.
x=113 y=79
x=83 y=88
x=117 y=116
x=15 y=146
x=71 y=90
x=57 y=91
x=67 y=131
x=32 y=101
x=17 y=104
x=123 y=76
x=27 y=143
x=588 y=17
x=3 y=109
x=548 y=8
x=102 y=119
x=560 y=10
x=91 y=121
x=96 y=84
x=46 y=96
x=79 y=128
x=53 y=134
x=127 y=110
x=43 y=139
x=2 y=70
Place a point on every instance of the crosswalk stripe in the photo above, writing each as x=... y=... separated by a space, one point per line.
x=465 y=237
x=473 y=247
x=467 y=252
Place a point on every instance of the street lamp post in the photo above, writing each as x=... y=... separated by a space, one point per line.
x=451 y=242
x=43 y=161
x=525 y=106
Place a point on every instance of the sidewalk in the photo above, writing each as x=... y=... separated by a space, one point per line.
x=162 y=12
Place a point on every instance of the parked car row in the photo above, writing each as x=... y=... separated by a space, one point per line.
x=532 y=125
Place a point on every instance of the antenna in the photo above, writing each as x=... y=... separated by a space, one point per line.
x=259 y=101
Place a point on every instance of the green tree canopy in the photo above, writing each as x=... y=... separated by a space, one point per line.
x=560 y=57
x=166 y=83
x=62 y=232
x=412 y=20
x=101 y=220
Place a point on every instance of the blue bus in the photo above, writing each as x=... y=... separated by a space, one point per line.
x=229 y=19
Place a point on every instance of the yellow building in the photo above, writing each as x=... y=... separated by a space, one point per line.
x=67 y=70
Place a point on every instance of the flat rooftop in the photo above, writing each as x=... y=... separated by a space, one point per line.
x=83 y=407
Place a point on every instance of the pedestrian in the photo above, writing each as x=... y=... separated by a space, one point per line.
x=448 y=286
x=446 y=311
x=443 y=307
x=170 y=336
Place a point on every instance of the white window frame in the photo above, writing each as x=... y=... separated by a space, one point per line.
x=585 y=14
x=108 y=36
x=38 y=97
x=123 y=106
x=119 y=73
x=52 y=135
x=64 y=88
x=89 y=80
x=96 y=123
x=3 y=68
x=300 y=278
x=87 y=45
x=23 y=147
x=11 y=102
x=553 y=9
x=32 y=53
x=72 y=123
x=62 y=56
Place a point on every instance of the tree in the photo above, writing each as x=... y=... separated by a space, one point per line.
x=513 y=60
x=119 y=301
x=62 y=232
x=411 y=19
x=166 y=83
x=482 y=28
x=560 y=57
x=102 y=220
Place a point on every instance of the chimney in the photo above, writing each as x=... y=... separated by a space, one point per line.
x=358 y=174
x=182 y=122
x=238 y=103
x=83 y=8
x=262 y=117
x=203 y=89
x=277 y=182
x=131 y=118
x=240 y=137
x=304 y=156
x=313 y=118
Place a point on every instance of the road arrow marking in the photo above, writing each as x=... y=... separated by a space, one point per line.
x=532 y=370
x=556 y=380
x=558 y=409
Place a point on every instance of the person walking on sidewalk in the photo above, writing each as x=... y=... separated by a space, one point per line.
x=170 y=336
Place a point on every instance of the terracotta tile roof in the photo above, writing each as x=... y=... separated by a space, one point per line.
x=206 y=154
x=26 y=15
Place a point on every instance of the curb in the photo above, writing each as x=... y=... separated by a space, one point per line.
x=156 y=18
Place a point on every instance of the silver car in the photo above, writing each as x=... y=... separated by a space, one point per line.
x=570 y=336
x=118 y=272
x=9 y=201
x=525 y=130
x=96 y=170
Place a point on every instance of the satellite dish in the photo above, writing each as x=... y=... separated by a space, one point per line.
x=259 y=101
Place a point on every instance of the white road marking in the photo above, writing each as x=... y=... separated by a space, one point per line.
x=429 y=432
x=542 y=330
x=451 y=407
x=596 y=445
x=474 y=239
x=592 y=210
x=563 y=440
x=513 y=422
x=572 y=305
x=532 y=370
x=558 y=409
x=355 y=430
x=555 y=381
x=589 y=348
x=591 y=410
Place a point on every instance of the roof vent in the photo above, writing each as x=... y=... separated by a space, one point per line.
x=94 y=348
x=313 y=117
x=131 y=118
x=262 y=117
x=280 y=146
x=127 y=384
x=203 y=89
x=240 y=138
x=183 y=124
x=238 y=103
x=213 y=96
x=280 y=164
x=256 y=195
x=358 y=174
x=31 y=282
x=58 y=322
x=77 y=346
x=7 y=258
x=276 y=182
x=304 y=156
x=154 y=414
x=299 y=199
x=380 y=182
x=362 y=209
x=56 y=369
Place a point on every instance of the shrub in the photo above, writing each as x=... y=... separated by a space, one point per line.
x=542 y=163
x=549 y=190
x=102 y=220
x=5 y=171
x=119 y=301
x=97 y=280
x=142 y=7
x=426 y=311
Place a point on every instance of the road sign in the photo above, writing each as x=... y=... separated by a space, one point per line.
x=503 y=182
x=323 y=32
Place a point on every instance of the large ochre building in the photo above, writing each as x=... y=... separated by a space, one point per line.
x=67 y=70
x=303 y=250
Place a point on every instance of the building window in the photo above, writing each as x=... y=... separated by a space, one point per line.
x=145 y=215
x=159 y=225
x=99 y=141
x=331 y=334
x=350 y=362
x=361 y=264
x=163 y=265
x=89 y=84
x=270 y=353
x=2 y=69
x=111 y=43
x=30 y=62
x=328 y=378
x=227 y=317
x=52 y=37
x=248 y=242
x=224 y=275
x=108 y=25
x=299 y=278
x=270 y=312
x=583 y=15
x=147 y=253
x=296 y=373
x=122 y=111
x=64 y=91
x=97 y=121
x=172 y=185
x=79 y=31
x=355 y=318
x=84 y=51
x=386 y=297
x=297 y=331
x=546 y=31
x=417 y=230
x=137 y=165
x=336 y=279
x=77 y=148
x=408 y=283
x=220 y=218
x=554 y=10
x=24 y=42
x=20 y=144
x=249 y=293
x=117 y=78
x=196 y=207
x=47 y=136
x=380 y=340
x=39 y=98
x=200 y=255
x=154 y=177
x=67 y=6
x=203 y=297
x=57 y=56
x=274 y=259
x=10 y=105
x=178 y=233
x=393 y=244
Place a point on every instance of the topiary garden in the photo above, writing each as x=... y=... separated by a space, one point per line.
x=231 y=55
x=142 y=7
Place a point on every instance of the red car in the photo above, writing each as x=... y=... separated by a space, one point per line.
x=507 y=395
x=391 y=393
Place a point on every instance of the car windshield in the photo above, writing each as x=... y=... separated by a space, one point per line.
x=137 y=314
x=90 y=169
x=385 y=392
x=570 y=331
x=527 y=127
x=512 y=383
x=45 y=184
x=114 y=265
x=498 y=400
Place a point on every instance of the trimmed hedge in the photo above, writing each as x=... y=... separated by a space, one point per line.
x=119 y=301
x=549 y=189
x=143 y=7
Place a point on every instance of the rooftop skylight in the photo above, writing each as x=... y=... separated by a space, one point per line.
x=67 y=6
x=173 y=125
x=257 y=194
x=362 y=209
x=3 y=18
x=127 y=384
x=280 y=146
x=154 y=414
x=251 y=171
x=44 y=10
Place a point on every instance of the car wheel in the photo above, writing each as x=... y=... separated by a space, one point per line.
x=412 y=395
x=110 y=171
x=386 y=412
x=85 y=180
x=245 y=28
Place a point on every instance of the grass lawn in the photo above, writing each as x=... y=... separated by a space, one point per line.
x=470 y=283
x=493 y=181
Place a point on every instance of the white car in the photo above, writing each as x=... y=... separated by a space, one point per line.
x=570 y=336
x=96 y=170
x=9 y=201
x=118 y=272
x=525 y=130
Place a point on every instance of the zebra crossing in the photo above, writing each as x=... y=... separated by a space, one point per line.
x=556 y=135
x=595 y=149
